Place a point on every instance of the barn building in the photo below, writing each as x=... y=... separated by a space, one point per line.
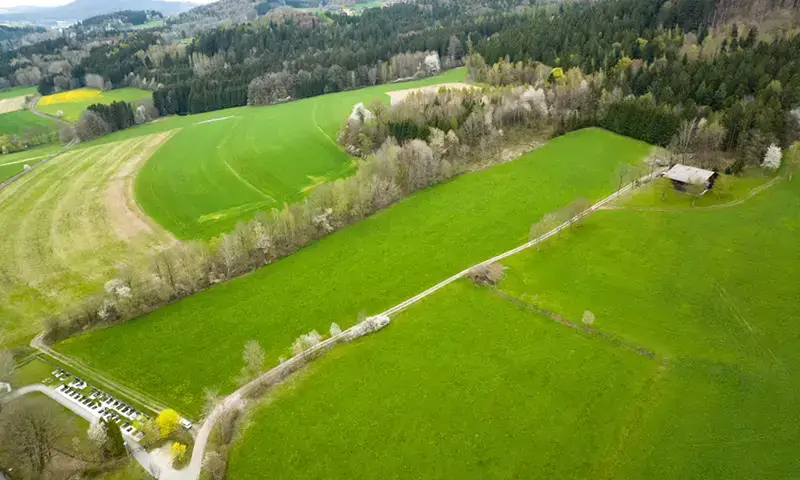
x=683 y=175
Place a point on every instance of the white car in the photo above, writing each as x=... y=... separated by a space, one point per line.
x=186 y=423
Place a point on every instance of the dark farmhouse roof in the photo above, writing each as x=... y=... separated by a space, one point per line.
x=690 y=175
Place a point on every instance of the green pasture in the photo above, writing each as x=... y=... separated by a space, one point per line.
x=13 y=163
x=463 y=385
x=66 y=235
x=713 y=289
x=17 y=92
x=61 y=237
x=73 y=102
x=468 y=385
x=23 y=121
x=223 y=167
x=178 y=350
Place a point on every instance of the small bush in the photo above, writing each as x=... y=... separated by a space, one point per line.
x=486 y=274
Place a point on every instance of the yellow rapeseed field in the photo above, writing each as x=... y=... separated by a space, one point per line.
x=76 y=95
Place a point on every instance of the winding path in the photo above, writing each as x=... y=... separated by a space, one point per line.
x=237 y=398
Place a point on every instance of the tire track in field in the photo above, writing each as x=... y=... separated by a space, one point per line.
x=31 y=188
x=76 y=246
x=27 y=245
x=63 y=237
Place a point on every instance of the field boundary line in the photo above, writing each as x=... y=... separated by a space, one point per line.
x=597 y=206
x=316 y=124
x=139 y=397
x=733 y=203
x=587 y=330
x=39 y=163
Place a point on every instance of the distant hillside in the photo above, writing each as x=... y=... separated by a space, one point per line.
x=83 y=9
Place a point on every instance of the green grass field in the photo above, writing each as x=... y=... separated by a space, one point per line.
x=22 y=121
x=65 y=229
x=462 y=385
x=17 y=92
x=73 y=102
x=222 y=168
x=367 y=267
x=465 y=385
x=70 y=224
x=14 y=163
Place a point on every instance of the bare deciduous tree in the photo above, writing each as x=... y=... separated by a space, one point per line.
x=29 y=432
x=215 y=464
x=253 y=357
x=6 y=365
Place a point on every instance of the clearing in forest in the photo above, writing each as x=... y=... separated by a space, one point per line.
x=397 y=96
x=367 y=267
x=473 y=383
x=215 y=173
x=66 y=227
x=73 y=102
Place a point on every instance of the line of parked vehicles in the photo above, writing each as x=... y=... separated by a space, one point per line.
x=100 y=403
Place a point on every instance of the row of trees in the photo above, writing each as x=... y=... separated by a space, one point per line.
x=389 y=172
x=29 y=137
x=281 y=86
x=101 y=119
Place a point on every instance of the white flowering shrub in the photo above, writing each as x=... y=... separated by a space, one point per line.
x=772 y=159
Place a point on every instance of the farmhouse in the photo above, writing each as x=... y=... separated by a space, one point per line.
x=684 y=175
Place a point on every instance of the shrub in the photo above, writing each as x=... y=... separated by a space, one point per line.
x=177 y=451
x=167 y=421
x=486 y=274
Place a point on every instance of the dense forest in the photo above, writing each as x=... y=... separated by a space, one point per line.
x=664 y=62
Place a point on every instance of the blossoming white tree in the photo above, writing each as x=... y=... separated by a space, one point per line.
x=772 y=159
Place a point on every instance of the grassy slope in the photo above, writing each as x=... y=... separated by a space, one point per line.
x=463 y=385
x=59 y=238
x=716 y=291
x=13 y=163
x=367 y=267
x=72 y=109
x=211 y=175
x=17 y=92
x=16 y=123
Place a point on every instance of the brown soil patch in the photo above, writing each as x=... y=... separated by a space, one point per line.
x=12 y=104
x=124 y=214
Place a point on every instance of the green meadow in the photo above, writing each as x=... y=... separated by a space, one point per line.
x=22 y=121
x=467 y=384
x=222 y=168
x=13 y=163
x=180 y=349
x=463 y=385
x=16 y=92
x=72 y=103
